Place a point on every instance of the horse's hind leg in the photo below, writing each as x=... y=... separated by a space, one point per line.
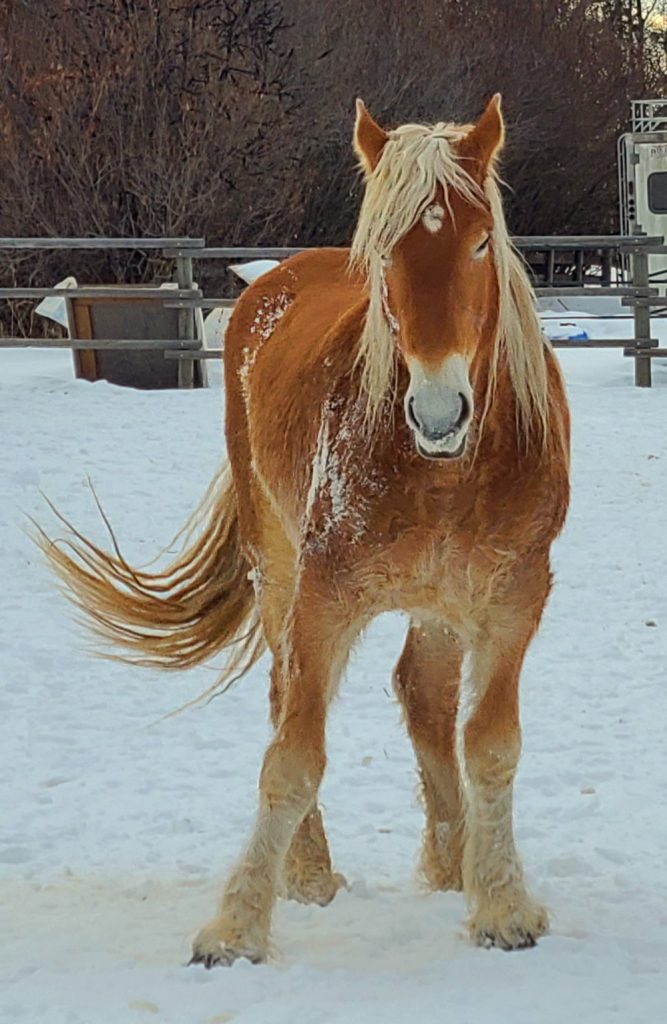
x=308 y=874
x=426 y=680
x=320 y=633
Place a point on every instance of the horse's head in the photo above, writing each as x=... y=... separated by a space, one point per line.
x=426 y=237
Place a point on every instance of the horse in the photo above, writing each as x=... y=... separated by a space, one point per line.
x=398 y=439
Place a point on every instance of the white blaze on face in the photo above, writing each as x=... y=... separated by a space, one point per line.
x=439 y=405
x=433 y=217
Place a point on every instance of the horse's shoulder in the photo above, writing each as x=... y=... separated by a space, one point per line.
x=315 y=287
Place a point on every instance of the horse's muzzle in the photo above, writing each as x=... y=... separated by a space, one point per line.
x=438 y=408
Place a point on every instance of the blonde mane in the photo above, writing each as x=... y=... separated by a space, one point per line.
x=415 y=160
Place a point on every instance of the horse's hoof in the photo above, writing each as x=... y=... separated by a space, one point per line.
x=212 y=949
x=497 y=940
x=320 y=890
x=224 y=956
x=517 y=929
x=440 y=876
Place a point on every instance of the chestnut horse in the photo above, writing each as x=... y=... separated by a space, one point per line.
x=398 y=438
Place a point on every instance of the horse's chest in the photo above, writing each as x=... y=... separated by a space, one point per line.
x=446 y=519
x=488 y=508
x=449 y=545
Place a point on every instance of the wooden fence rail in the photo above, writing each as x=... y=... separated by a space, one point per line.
x=184 y=291
x=187 y=344
x=186 y=299
x=183 y=244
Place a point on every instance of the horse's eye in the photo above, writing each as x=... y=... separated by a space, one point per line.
x=482 y=249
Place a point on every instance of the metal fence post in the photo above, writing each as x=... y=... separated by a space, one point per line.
x=186 y=321
x=642 y=317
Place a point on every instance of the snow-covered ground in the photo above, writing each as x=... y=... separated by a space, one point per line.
x=119 y=827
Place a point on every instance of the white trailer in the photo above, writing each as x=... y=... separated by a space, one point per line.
x=642 y=179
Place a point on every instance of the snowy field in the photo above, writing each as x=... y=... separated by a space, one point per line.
x=119 y=828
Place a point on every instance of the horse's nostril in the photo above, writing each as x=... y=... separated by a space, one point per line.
x=465 y=409
x=412 y=416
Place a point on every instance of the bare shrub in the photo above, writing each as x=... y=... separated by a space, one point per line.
x=232 y=119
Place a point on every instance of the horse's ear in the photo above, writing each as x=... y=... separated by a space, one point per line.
x=483 y=142
x=369 y=139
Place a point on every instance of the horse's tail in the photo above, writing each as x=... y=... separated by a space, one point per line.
x=202 y=602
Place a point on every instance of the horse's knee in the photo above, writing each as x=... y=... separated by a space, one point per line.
x=292 y=771
x=492 y=755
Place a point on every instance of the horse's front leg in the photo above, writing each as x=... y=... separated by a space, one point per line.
x=502 y=912
x=319 y=635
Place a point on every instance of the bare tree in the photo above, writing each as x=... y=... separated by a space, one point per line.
x=232 y=118
x=133 y=117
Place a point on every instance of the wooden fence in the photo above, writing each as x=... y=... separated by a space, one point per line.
x=566 y=263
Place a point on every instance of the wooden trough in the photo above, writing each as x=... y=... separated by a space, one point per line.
x=138 y=318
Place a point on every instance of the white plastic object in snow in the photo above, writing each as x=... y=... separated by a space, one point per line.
x=215 y=325
x=249 y=272
x=53 y=307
